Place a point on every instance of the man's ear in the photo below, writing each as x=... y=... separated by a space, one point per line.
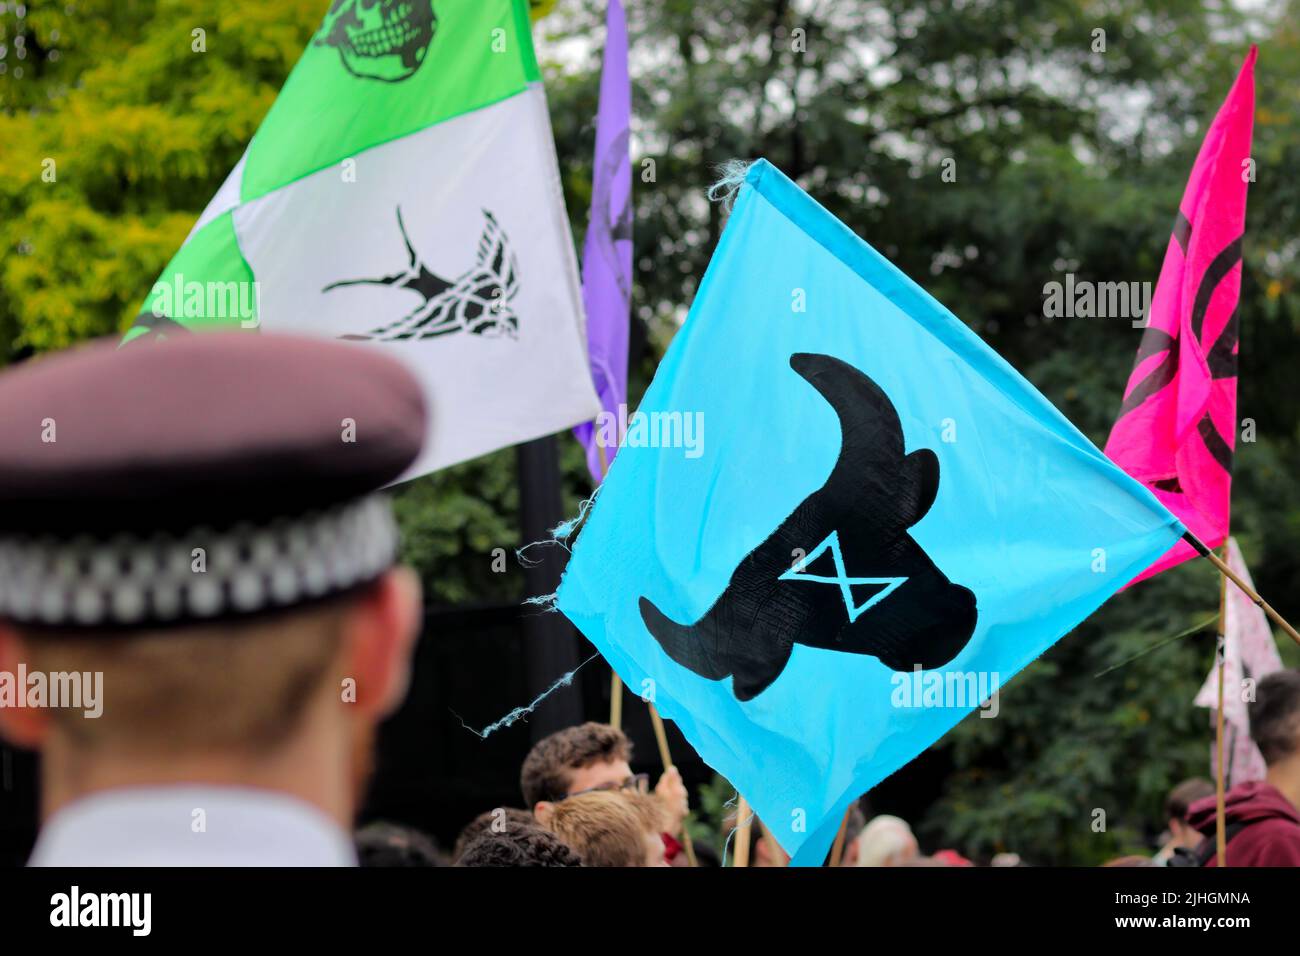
x=25 y=727
x=542 y=812
x=379 y=634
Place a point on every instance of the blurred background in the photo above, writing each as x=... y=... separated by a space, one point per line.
x=1066 y=160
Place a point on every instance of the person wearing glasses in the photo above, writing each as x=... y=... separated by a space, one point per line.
x=594 y=757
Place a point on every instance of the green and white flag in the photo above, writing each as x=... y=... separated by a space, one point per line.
x=403 y=192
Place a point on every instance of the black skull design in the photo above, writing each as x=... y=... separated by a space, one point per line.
x=379 y=39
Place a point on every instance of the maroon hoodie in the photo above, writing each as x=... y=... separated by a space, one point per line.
x=1272 y=834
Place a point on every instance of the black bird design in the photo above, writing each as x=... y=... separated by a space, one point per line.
x=477 y=302
x=863 y=586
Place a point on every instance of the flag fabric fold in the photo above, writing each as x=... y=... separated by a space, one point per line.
x=1249 y=653
x=1176 y=428
x=403 y=192
x=607 y=251
x=881 y=523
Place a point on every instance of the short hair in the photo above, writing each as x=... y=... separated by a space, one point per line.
x=238 y=686
x=383 y=844
x=520 y=846
x=882 y=839
x=548 y=768
x=488 y=820
x=606 y=827
x=649 y=808
x=1275 y=715
x=1184 y=795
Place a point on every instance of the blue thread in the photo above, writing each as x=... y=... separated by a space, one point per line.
x=560 y=534
x=732 y=173
x=520 y=712
x=727 y=845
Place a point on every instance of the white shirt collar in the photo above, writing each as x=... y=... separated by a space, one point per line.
x=191 y=826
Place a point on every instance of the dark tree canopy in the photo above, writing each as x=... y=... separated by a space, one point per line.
x=1060 y=158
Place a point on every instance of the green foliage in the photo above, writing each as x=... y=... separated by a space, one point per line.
x=1065 y=160
x=460 y=526
x=113 y=147
x=713 y=813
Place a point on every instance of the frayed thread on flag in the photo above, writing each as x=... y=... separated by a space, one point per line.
x=727 y=845
x=732 y=173
x=560 y=535
x=519 y=713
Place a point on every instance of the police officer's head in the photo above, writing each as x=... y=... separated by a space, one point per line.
x=199 y=523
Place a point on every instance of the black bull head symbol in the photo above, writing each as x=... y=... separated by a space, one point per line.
x=864 y=586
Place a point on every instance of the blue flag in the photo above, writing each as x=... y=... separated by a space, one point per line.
x=839 y=521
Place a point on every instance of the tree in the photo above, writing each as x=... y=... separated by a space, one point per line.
x=1066 y=159
x=987 y=148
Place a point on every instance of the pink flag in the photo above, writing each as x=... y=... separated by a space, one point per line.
x=1249 y=653
x=1177 y=427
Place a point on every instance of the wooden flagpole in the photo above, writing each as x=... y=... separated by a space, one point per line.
x=661 y=735
x=615 y=700
x=616 y=697
x=744 y=819
x=837 y=851
x=1220 y=840
x=1250 y=592
x=615 y=682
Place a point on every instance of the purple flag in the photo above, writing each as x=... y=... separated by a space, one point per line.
x=607 y=253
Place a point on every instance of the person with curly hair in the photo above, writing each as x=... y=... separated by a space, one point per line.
x=527 y=845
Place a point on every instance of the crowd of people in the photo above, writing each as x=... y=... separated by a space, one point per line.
x=585 y=807
x=235 y=590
